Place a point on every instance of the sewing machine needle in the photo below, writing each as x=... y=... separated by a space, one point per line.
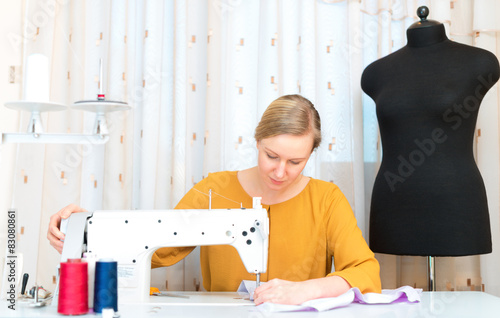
x=258 y=280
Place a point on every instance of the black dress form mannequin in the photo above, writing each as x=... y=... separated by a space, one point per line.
x=429 y=197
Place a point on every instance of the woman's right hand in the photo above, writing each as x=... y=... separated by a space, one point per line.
x=54 y=234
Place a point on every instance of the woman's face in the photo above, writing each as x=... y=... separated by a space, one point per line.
x=282 y=159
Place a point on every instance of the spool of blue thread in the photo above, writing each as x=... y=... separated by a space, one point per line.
x=106 y=285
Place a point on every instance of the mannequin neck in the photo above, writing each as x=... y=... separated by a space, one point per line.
x=425 y=36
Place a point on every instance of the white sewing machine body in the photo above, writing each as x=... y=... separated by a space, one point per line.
x=130 y=237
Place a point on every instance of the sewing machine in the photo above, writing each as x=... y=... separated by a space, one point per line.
x=130 y=237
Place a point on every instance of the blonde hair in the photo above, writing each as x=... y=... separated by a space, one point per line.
x=290 y=114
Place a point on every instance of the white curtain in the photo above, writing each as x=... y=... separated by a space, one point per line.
x=198 y=74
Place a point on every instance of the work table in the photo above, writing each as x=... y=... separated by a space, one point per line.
x=231 y=305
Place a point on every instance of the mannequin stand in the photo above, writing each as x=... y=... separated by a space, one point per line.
x=431 y=273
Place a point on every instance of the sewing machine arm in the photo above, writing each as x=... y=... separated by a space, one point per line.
x=131 y=237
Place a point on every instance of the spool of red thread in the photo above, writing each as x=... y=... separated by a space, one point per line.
x=73 y=288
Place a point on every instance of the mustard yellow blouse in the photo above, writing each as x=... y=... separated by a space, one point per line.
x=306 y=232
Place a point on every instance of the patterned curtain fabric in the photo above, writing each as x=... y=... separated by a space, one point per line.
x=198 y=74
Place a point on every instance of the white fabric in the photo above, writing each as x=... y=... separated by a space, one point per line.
x=353 y=295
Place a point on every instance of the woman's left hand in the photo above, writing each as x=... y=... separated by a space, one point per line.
x=285 y=292
x=280 y=291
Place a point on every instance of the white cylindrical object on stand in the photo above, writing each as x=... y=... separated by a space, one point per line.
x=37 y=79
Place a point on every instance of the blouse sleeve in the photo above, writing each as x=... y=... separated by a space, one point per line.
x=353 y=259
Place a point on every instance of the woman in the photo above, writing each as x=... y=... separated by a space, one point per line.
x=310 y=220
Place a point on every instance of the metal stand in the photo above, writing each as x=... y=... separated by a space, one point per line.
x=36 y=302
x=431 y=273
x=36 y=134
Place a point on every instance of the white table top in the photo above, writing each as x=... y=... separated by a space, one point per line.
x=231 y=305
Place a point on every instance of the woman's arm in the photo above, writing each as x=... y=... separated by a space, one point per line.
x=353 y=259
x=354 y=262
